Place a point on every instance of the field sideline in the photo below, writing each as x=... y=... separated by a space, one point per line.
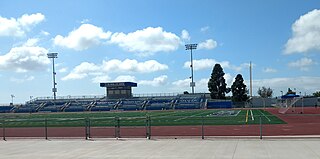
x=138 y=118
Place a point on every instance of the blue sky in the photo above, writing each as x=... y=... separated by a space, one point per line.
x=143 y=41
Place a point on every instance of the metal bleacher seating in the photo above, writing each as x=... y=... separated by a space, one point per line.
x=131 y=104
x=5 y=109
x=189 y=102
x=72 y=104
x=159 y=103
x=102 y=105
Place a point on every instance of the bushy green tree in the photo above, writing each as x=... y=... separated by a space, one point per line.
x=239 y=89
x=316 y=94
x=217 y=84
x=265 y=92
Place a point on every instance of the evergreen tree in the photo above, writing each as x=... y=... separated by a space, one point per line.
x=217 y=84
x=239 y=91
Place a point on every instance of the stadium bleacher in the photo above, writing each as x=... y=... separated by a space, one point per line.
x=5 y=109
x=159 y=103
x=189 y=102
x=72 y=104
x=131 y=104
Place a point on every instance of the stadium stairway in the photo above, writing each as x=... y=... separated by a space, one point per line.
x=90 y=105
x=41 y=106
x=65 y=105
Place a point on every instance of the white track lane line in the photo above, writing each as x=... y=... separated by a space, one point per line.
x=264 y=115
x=190 y=116
x=252 y=118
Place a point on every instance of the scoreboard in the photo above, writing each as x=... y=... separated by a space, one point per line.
x=117 y=90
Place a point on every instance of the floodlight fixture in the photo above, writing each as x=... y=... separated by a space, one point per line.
x=191 y=47
x=52 y=56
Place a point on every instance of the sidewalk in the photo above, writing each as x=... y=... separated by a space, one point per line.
x=161 y=148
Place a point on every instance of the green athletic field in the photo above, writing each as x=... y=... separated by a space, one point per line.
x=127 y=118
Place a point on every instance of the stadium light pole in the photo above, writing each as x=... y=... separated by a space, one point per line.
x=12 y=96
x=191 y=47
x=54 y=89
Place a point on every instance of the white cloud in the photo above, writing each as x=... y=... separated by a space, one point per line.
x=86 y=36
x=45 y=33
x=158 y=81
x=147 y=41
x=201 y=85
x=208 y=44
x=205 y=28
x=301 y=84
x=125 y=78
x=185 y=35
x=121 y=78
x=185 y=83
x=306 y=34
x=81 y=71
x=30 y=20
x=100 y=79
x=302 y=64
x=114 y=66
x=133 y=66
x=22 y=80
x=269 y=70
x=27 y=57
x=229 y=79
x=18 y=27
x=209 y=64
x=63 y=70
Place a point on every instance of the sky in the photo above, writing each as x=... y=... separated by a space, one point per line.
x=144 y=41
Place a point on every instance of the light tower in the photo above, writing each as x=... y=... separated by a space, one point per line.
x=250 y=79
x=54 y=89
x=12 y=96
x=191 y=47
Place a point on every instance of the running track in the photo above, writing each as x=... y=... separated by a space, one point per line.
x=307 y=123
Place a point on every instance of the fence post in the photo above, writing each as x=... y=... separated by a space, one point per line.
x=4 y=129
x=148 y=127
x=260 y=127
x=202 y=127
x=46 y=128
x=86 y=128
x=117 y=127
x=89 y=128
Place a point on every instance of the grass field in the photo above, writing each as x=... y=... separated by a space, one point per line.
x=138 y=118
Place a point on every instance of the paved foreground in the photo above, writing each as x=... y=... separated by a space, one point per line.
x=162 y=148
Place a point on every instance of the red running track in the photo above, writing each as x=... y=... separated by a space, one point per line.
x=307 y=123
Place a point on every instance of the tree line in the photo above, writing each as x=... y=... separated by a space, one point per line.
x=218 y=88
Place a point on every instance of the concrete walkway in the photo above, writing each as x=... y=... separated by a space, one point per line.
x=161 y=148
